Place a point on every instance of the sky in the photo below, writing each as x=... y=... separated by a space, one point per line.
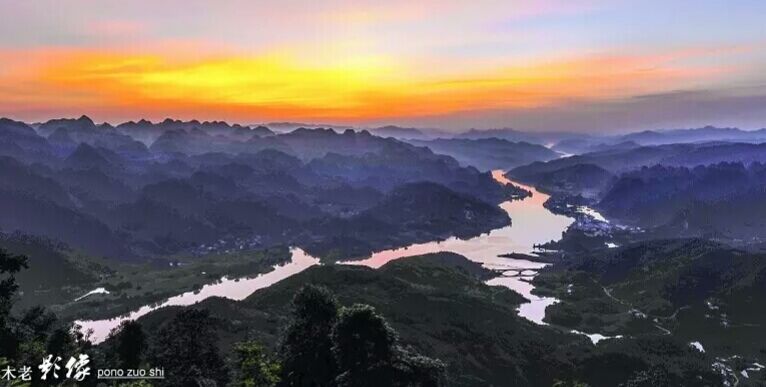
x=547 y=65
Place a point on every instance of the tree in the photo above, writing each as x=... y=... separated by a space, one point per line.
x=653 y=377
x=368 y=354
x=363 y=345
x=31 y=332
x=254 y=367
x=128 y=344
x=306 y=347
x=562 y=383
x=418 y=370
x=186 y=347
x=10 y=264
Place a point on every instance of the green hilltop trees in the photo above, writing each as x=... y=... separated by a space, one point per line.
x=254 y=367
x=330 y=346
x=9 y=265
x=306 y=348
x=128 y=345
x=187 y=348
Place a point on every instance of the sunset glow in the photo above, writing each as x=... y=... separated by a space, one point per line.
x=350 y=66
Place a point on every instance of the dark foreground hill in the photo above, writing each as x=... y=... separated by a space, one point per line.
x=706 y=294
x=439 y=305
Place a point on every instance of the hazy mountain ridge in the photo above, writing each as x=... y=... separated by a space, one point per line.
x=489 y=153
x=210 y=183
x=692 y=201
x=707 y=134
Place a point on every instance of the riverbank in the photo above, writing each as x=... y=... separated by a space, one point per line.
x=533 y=224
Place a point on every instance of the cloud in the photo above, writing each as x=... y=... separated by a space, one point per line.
x=352 y=89
x=739 y=107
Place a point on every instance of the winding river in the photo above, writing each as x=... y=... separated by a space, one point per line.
x=532 y=224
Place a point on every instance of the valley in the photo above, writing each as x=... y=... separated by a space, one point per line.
x=562 y=249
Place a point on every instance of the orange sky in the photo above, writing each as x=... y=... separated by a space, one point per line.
x=278 y=86
x=439 y=63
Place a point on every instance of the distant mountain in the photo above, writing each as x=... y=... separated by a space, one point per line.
x=541 y=138
x=86 y=156
x=433 y=208
x=209 y=187
x=260 y=130
x=62 y=141
x=65 y=134
x=398 y=132
x=20 y=141
x=708 y=134
x=704 y=134
x=312 y=143
x=615 y=161
x=490 y=153
x=20 y=178
x=283 y=127
x=148 y=132
x=36 y=216
x=420 y=212
x=714 y=153
x=586 y=180
x=725 y=201
x=15 y=129
x=84 y=123
x=620 y=160
x=590 y=144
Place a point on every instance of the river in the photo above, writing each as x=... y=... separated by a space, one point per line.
x=532 y=224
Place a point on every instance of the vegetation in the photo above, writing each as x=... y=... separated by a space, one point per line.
x=141 y=191
x=146 y=211
x=438 y=306
x=128 y=345
x=306 y=349
x=254 y=367
x=187 y=348
x=28 y=337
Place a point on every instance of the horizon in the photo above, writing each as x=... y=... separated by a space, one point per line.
x=552 y=66
x=332 y=126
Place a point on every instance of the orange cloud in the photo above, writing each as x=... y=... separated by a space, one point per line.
x=115 y=86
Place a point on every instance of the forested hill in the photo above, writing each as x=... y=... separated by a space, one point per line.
x=143 y=189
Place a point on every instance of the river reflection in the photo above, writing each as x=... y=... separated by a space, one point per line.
x=532 y=224
x=235 y=289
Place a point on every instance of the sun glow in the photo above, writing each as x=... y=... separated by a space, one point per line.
x=356 y=88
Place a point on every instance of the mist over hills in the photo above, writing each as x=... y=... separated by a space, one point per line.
x=159 y=188
x=705 y=134
x=489 y=153
x=724 y=201
x=139 y=189
x=711 y=189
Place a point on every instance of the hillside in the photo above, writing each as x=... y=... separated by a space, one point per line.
x=692 y=289
x=444 y=311
x=489 y=154
x=145 y=190
x=721 y=200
